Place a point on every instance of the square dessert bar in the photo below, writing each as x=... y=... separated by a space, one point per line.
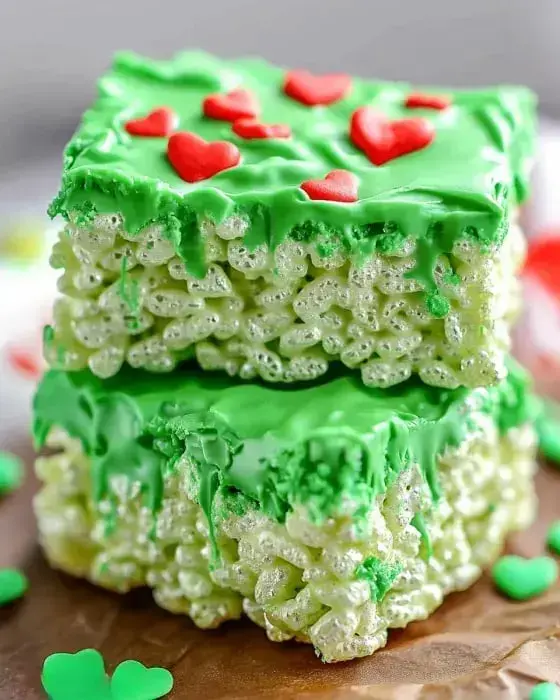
x=270 y=223
x=327 y=513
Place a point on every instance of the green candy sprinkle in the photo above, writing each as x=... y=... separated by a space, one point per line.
x=82 y=675
x=68 y=676
x=133 y=681
x=13 y=584
x=548 y=431
x=553 y=537
x=521 y=579
x=545 y=691
x=378 y=575
x=11 y=472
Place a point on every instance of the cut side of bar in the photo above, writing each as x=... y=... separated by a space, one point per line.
x=245 y=272
x=282 y=317
x=328 y=514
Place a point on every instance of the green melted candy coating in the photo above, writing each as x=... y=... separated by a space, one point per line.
x=460 y=185
x=269 y=447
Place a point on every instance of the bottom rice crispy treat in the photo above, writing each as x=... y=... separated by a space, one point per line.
x=328 y=514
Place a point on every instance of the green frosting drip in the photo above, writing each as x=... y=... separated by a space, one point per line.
x=419 y=522
x=273 y=448
x=460 y=185
x=379 y=576
x=130 y=294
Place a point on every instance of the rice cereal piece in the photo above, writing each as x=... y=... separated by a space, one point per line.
x=337 y=513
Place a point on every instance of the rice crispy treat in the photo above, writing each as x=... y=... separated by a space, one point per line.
x=272 y=223
x=327 y=513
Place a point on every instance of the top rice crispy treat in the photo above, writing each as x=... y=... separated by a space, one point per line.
x=271 y=222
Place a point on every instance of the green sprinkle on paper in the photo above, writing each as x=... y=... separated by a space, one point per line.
x=521 y=579
x=553 y=537
x=69 y=676
x=545 y=691
x=13 y=585
x=82 y=675
x=11 y=472
x=133 y=681
x=548 y=430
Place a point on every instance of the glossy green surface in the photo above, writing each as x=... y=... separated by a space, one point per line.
x=464 y=181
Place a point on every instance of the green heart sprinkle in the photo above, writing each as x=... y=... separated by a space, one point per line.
x=133 y=681
x=81 y=675
x=553 y=537
x=11 y=472
x=13 y=584
x=548 y=430
x=545 y=691
x=521 y=579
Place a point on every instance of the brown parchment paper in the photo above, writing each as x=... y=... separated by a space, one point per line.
x=477 y=645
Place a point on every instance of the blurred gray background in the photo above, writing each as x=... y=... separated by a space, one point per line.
x=51 y=52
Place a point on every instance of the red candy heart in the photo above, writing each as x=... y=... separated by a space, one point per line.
x=313 y=90
x=159 y=122
x=337 y=186
x=24 y=363
x=383 y=140
x=195 y=159
x=231 y=106
x=419 y=100
x=252 y=129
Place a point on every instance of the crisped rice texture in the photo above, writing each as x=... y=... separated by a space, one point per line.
x=298 y=579
x=283 y=315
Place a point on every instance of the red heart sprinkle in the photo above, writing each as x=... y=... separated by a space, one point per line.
x=543 y=261
x=252 y=129
x=419 y=100
x=313 y=90
x=383 y=140
x=195 y=159
x=336 y=186
x=231 y=106
x=24 y=363
x=159 y=122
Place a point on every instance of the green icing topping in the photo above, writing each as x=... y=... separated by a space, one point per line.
x=379 y=576
x=270 y=447
x=460 y=185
